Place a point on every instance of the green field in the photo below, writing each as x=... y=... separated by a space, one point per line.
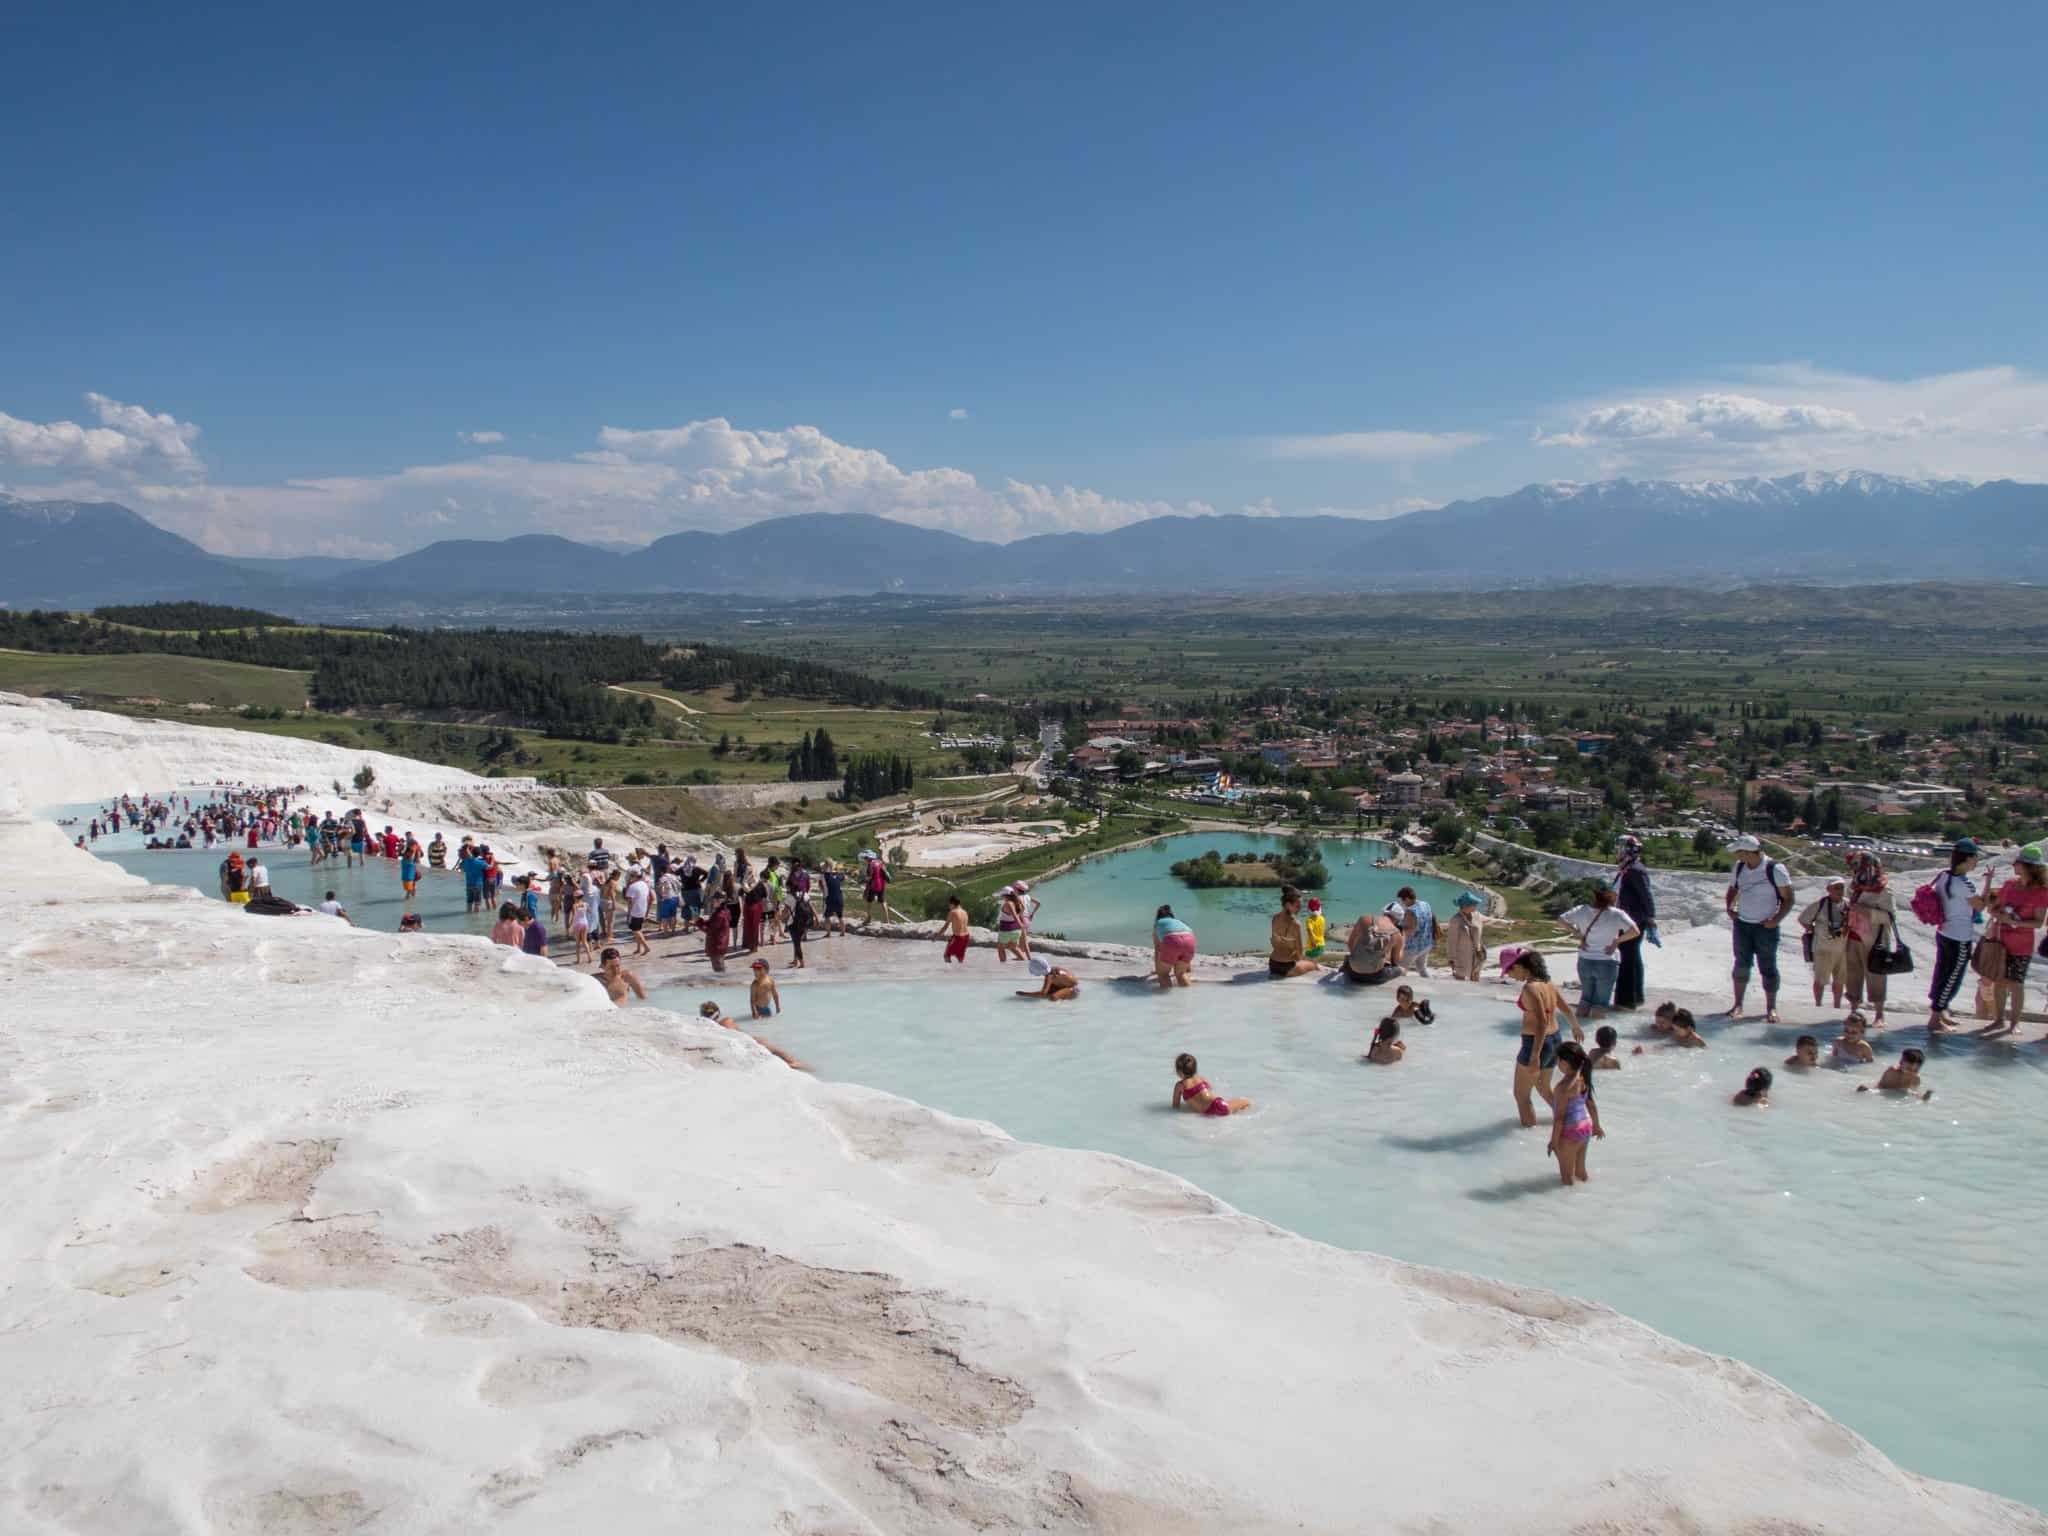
x=177 y=680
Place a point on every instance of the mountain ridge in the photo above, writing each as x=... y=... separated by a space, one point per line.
x=1846 y=526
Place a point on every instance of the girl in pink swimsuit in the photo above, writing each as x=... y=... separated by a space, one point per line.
x=1194 y=1093
x=1575 y=1117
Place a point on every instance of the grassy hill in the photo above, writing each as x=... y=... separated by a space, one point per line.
x=177 y=680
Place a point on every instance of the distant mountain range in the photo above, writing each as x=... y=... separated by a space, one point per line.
x=1847 y=527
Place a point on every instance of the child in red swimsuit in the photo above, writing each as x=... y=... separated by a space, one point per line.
x=1194 y=1093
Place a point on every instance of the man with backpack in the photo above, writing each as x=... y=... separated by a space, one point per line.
x=1758 y=897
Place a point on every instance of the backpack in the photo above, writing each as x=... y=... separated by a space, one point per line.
x=1770 y=868
x=1927 y=903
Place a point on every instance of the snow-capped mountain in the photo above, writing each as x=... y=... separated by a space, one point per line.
x=1851 y=526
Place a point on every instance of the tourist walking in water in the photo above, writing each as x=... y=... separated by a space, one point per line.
x=1173 y=949
x=2020 y=910
x=1632 y=895
x=1759 y=895
x=1826 y=921
x=1873 y=925
x=1601 y=927
x=1536 y=1058
x=1288 y=955
x=1955 y=933
x=1465 y=938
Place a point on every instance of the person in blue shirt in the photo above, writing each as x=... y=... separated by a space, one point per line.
x=1417 y=920
x=835 y=897
x=473 y=880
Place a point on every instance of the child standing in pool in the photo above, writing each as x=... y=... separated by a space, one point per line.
x=762 y=997
x=1577 y=1118
x=1317 y=928
x=1193 y=1093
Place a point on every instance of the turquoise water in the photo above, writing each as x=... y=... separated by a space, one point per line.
x=370 y=891
x=1111 y=900
x=1882 y=1257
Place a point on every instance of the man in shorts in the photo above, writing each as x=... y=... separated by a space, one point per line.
x=639 y=897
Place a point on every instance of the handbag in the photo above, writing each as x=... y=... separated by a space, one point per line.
x=1889 y=957
x=1989 y=957
x=1806 y=945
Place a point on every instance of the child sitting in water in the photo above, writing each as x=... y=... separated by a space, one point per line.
x=1060 y=985
x=1756 y=1090
x=1904 y=1078
x=1405 y=1006
x=1805 y=1054
x=1194 y=1093
x=1680 y=1027
x=1603 y=1058
x=1576 y=1120
x=1662 y=1022
x=1852 y=1047
x=762 y=997
x=711 y=1013
x=1316 y=927
x=1387 y=1046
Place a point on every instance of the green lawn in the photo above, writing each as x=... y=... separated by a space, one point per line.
x=178 y=680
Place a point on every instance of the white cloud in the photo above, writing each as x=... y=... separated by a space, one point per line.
x=1390 y=447
x=128 y=441
x=1372 y=513
x=1788 y=418
x=958 y=413
x=481 y=439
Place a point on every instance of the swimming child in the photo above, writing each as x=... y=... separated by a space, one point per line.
x=1679 y=1025
x=1756 y=1090
x=711 y=1013
x=1662 y=1022
x=1852 y=1047
x=1194 y=1093
x=1805 y=1054
x=957 y=937
x=1603 y=1058
x=1387 y=1048
x=1577 y=1118
x=1317 y=928
x=1405 y=1006
x=1904 y=1078
x=762 y=997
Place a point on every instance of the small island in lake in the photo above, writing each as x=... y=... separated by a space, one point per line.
x=1299 y=863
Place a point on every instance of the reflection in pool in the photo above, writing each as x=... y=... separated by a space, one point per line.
x=1878 y=1256
x=1111 y=900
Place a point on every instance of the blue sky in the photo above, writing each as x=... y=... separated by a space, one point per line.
x=1058 y=266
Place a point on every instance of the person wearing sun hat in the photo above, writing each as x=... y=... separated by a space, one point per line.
x=1465 y=937
x=1826 y=921
x=2018 y=916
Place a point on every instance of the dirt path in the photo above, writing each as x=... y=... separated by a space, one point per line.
x=648 y=693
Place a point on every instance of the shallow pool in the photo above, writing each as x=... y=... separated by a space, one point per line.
x=1882 y=1257
x=1112 y=899
x=370 y=891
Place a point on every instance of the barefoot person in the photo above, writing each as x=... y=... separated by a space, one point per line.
x=1904 y=1078
x=1602 y=928
x=1193 y=1093
x=1288 y=956
x=1956 y=935
x=1173 y=949
x=2019 y=912
x=1059 y=985
x=1372 y=951
x=1387 y=1048
x=1465 y=938
x=1759 y=895
x=616 y=980
x=1536 y=1058
x=1826 y=921
x=958 y=935
x=711 y=1013
x=1576 y=1122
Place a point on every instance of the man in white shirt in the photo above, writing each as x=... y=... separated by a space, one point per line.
x=639 y=896
x=334 y=908
x=1758 y=897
